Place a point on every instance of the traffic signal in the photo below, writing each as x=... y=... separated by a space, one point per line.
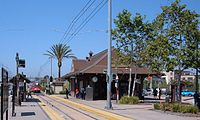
x=22 y=63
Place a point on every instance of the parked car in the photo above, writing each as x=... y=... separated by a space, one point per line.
x=187 y=93
x=144 y=92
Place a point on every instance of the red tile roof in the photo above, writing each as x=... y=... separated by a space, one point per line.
x=98 y=63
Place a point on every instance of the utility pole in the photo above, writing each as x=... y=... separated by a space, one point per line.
x=15 y=84
x=109 y=63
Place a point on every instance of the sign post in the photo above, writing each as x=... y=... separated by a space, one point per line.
x=4 y=93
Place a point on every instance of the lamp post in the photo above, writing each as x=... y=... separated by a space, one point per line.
x=24 y=90
x=15 y=79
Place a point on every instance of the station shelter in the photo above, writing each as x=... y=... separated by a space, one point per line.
x=91 y=72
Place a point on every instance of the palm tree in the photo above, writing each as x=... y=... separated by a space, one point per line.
x=60 y=51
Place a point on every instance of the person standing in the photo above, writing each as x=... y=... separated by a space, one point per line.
x=83 y=93
x=29 y=94
x=77 y=93
x=196 y=98
x=155 y=92
x=67 y=93
x=159 y=93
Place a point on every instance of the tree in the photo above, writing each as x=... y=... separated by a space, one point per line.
x=130 y=35
x=60 y=51
x=173 y=23
x=193 y=51
x=179 y=20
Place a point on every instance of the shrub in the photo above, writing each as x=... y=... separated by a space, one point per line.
x=166 y=107
x=62 y=92
x=129 y=100
x=183 y=108
x=194 y=109
x=189 y=109
x=176 y=107
x=156 y=106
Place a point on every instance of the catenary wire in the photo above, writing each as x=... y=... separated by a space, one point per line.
x=76 y=18
x=93 y=13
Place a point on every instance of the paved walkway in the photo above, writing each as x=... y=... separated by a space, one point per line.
x=29 y=110
x=143 y=111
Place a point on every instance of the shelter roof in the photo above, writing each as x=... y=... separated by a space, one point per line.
x=21 y=79
x=98 y=64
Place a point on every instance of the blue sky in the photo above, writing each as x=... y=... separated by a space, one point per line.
x=30 y=27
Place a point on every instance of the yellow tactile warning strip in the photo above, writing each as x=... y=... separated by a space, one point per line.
x=107 y=115
x=50 y=112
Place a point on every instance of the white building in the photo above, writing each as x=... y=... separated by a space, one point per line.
x=188 y=76
x=169 y=76
x=185 y=76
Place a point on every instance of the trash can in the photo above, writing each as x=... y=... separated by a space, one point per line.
x=89 y=93
x=167 y=98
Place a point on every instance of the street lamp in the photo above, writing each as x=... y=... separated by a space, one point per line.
x=15 y=87
x=24 y=90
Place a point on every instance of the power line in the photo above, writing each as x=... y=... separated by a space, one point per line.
x=91 y=15
x=77 y=17
x=42 y=67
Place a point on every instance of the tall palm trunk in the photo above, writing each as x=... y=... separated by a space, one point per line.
x=59 y=70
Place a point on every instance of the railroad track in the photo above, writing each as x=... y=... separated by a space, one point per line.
x=66 y=111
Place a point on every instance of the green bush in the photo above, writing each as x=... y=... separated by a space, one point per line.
x=62 y=92
x=166 y=107
x=189 y=109
x=129 y=100
x=175 y=107
x=156 y=106
x=194 y=109
x=183 y=108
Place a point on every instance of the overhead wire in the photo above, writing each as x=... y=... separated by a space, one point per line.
x=90 y=16
x=42 y=67
x=76 y=18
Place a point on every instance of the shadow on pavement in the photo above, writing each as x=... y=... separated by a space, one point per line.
x=27 y=113
x=32 y=100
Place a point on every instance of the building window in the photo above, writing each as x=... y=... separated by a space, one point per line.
x=171 y=73
x=190 y=78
